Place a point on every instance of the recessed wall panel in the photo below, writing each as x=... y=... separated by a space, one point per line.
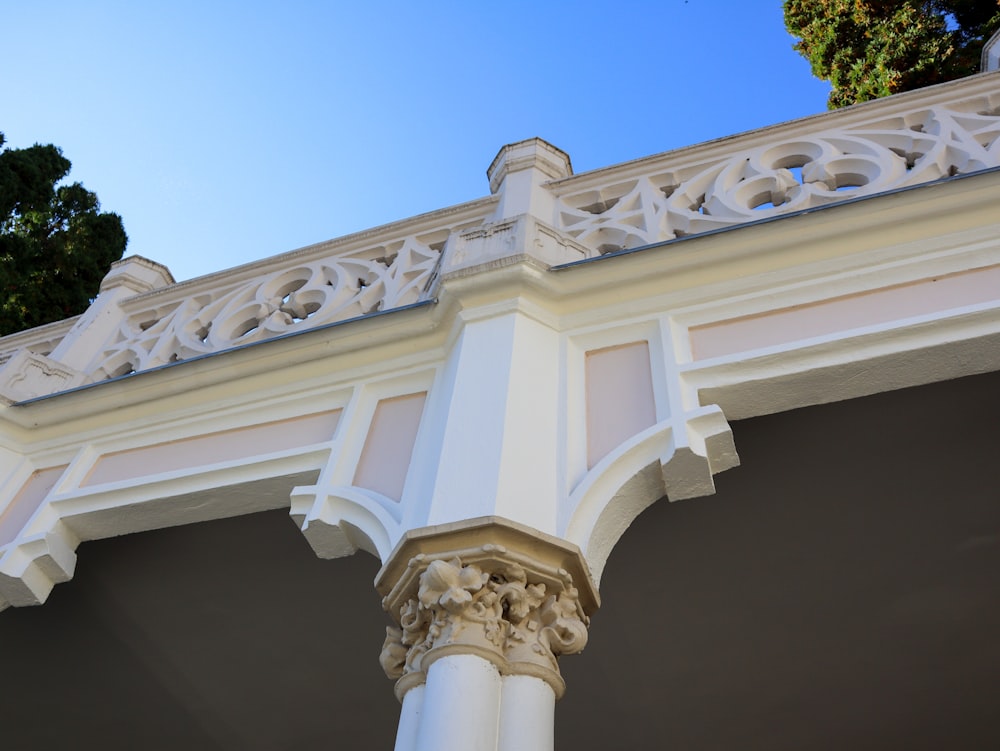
x=385 y=458
x=214 y=448
x=26 y=502
x=620 y=401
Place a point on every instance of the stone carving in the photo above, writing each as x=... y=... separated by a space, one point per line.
x=519 y=625
x=26 y=375
x=709 y=187
x=295 y=298
x=800 y=172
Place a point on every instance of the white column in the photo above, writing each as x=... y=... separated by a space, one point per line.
x=483 y=609
x=409 y=719
x=461 y=705
x=527 y=714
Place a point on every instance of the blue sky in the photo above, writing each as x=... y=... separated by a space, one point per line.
x=225 y=132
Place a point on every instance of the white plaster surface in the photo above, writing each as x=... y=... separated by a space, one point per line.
x=504 y=406
x=480 y=368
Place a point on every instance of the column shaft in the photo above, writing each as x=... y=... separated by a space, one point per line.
x=461 y=705
x=409 y=719
x=527 y=714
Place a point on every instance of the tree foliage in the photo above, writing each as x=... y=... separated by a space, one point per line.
x=55 y=243
x=872 y=48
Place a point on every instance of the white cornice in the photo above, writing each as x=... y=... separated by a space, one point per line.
x=684 y=271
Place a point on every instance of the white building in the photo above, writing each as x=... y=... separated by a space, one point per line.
x=487 y=399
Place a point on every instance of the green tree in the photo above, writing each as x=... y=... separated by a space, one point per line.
x=55 y=242
x=872 y=48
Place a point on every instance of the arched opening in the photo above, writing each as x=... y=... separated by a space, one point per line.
x=228 y=634
x=839 y=591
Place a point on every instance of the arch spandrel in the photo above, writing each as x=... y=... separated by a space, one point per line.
x=675 y=459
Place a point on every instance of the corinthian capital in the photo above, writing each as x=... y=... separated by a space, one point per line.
x=514 y=602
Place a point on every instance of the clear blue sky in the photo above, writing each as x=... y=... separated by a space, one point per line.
x=225 y=132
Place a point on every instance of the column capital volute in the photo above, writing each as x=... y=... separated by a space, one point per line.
x=489 y=587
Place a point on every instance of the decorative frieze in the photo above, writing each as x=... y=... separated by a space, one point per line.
x=287 y=300
x=515 y=607
x=759 y=177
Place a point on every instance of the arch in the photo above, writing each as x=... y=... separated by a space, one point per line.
x=676 y=458
x=338 y=521
x=42 y=553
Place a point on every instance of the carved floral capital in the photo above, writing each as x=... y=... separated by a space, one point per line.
x=511 y=608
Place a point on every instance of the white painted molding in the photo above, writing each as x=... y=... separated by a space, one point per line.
x=508 y=242
x=340 y=521
x=31 y=567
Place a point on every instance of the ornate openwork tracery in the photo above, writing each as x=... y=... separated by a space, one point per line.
x=666 y=198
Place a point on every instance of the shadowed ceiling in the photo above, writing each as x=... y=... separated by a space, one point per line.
x=842 y=590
